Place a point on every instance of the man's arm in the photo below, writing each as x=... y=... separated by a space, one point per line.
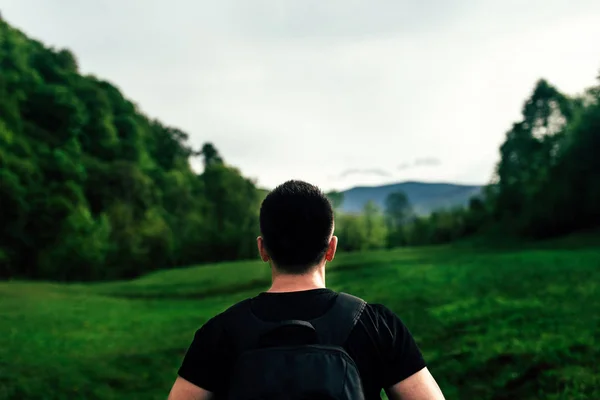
x=418 y=386
x=403 y=368
x=185 y=390
x=204 y=367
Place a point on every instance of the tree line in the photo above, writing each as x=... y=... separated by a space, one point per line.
x=546 y=184
x=91 y=188
x=397 y=225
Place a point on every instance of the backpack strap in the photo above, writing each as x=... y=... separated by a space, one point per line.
x=244 y=328
x=334 y=327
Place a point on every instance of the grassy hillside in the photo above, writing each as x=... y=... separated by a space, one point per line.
x=492 y=325
x=424 y=197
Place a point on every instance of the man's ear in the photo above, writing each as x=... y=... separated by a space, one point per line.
x=331 y=249
x=262 y=250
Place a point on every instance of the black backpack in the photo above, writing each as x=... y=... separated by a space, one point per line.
x=316 y=367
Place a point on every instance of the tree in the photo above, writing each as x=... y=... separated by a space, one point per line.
x=351 y=232
x=397 y=212
x=532 y=148
x=336 y=198
x=211 y=155
x=233 y=205
x=375 y=231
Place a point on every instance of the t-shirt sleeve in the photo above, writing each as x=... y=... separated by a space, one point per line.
x=206 y=360
x=401 y=354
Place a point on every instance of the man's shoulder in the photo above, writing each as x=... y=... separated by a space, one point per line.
x=380 y=316
x=380 y=309
x=373 y=311
x=226 y=317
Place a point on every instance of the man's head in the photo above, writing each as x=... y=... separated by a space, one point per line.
x=296 y=224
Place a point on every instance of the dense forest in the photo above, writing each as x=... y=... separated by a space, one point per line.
x=546 y=184
x=93 y=189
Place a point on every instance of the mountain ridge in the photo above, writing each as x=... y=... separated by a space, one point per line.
x=424 y=197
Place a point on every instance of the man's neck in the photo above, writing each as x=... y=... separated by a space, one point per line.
x=315 y=279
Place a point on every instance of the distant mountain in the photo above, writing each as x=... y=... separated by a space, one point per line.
x=424 y=197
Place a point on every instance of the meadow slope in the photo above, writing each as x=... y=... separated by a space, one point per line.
x=492 y=324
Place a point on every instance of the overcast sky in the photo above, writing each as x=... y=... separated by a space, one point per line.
x=336 y=92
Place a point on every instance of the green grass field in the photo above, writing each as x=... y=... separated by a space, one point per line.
x=493 y=324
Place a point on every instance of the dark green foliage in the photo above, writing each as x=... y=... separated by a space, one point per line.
x=211 y=155
x=398 y=213
x=90 y=188
x=548 y=176
x=336 y=198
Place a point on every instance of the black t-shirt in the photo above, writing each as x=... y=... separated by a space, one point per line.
x=380 y=344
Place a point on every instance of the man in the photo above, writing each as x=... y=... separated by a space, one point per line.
x=297 y=224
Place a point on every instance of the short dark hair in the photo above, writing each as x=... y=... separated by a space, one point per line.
x=296 y=221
